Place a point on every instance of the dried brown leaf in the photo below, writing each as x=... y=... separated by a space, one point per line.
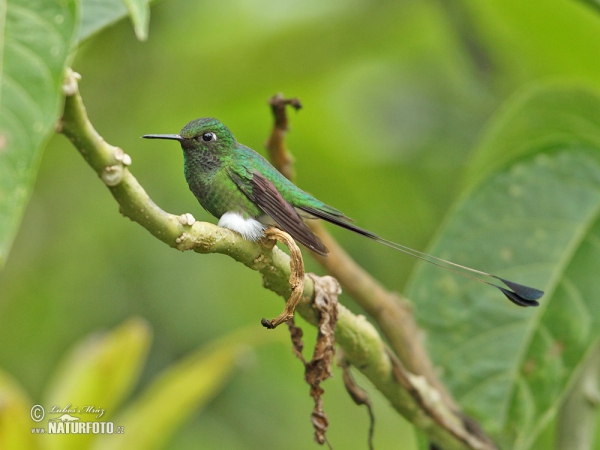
x=296 y=277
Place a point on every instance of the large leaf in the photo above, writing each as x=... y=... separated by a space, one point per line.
x=34 y=49
x=15 y=416
x=538 y=118
x=179 y=391
x=139 y=10
x=593 y=3
x=99 y=14
x=531 y=215
x=98 y=372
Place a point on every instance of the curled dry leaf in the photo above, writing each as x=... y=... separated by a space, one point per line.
x=296 y=277
x=318 y=369
x=297 y=344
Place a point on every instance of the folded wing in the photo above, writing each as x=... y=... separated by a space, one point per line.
x=266 y=196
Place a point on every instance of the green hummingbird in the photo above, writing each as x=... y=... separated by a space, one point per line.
x=247 y=194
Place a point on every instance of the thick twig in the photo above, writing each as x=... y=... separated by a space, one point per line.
x=360 y=341
x=391 y=311
x=434 y=403
x=280 y=157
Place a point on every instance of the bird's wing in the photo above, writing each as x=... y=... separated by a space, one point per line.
x=266 y=196
x=335 y=217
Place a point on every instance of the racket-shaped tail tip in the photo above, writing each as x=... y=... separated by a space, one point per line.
x=518 y=299
x=526 y=292
x=520 y=295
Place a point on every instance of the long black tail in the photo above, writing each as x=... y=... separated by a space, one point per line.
x=518 y=294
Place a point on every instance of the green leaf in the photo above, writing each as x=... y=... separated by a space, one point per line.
x=98 y=372
x=175 y=395
x=139 y=10
x=15 y=416
x=538 y=117
x=34 y=50
x=530 y=215
x=99 y=14
x=593 y=3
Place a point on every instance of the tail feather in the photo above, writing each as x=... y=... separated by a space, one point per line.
x=520 y=295
x=339 y=220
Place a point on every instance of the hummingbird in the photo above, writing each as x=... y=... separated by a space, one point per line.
x=247 y=194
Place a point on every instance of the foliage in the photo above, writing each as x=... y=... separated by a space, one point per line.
x=36 y=46
x=536 y=207
x=102 y=370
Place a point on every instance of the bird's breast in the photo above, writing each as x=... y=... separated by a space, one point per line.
x=218 y=194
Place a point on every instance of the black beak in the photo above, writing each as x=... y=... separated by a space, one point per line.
x=174 y=137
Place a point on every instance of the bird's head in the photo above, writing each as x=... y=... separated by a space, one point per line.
x=204 y=134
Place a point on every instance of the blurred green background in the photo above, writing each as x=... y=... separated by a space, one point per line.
x=396 y=95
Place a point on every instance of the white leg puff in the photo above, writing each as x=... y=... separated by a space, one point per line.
x=250 y=229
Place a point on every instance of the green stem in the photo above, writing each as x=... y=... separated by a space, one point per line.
x=578 y=413
x=411 y=396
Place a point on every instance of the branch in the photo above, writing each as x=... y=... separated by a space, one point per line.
x=279 y=156
x=410 y=395
x=392 y=312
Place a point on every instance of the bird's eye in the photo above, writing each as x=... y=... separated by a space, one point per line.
x=209 y=136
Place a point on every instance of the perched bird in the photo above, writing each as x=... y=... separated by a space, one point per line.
x=247 y=194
